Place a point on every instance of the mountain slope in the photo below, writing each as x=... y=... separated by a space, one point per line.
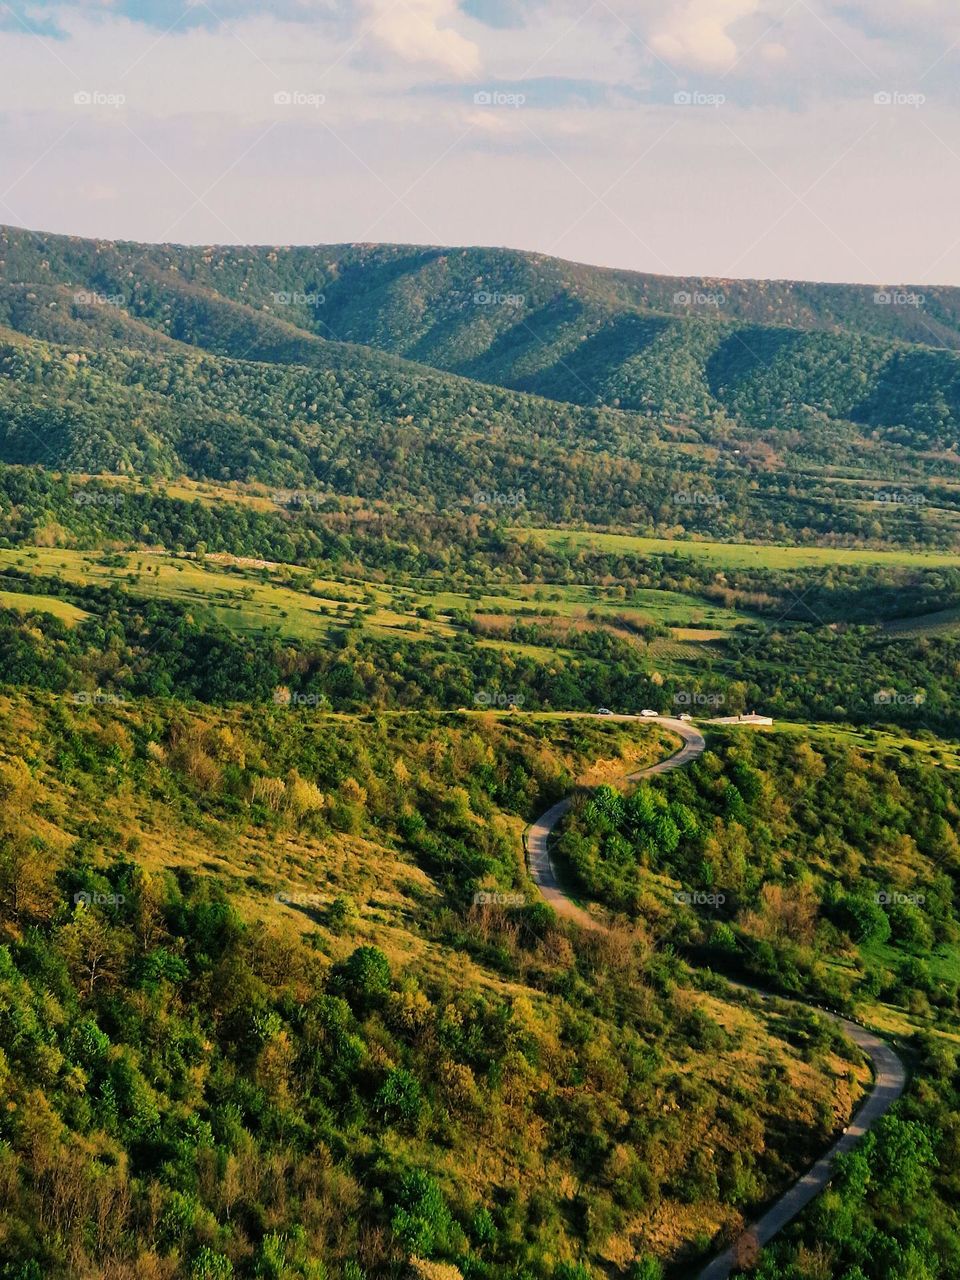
x=223 y=364
x=772 y=356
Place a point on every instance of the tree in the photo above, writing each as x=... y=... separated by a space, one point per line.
x=364 y=978
x=421 y=1218
x=399 y=1099
x=93 y=951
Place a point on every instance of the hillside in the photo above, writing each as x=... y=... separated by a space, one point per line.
x=255 y=1014
x=801 y=366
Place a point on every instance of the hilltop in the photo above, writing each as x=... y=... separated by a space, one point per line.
x=421 y=375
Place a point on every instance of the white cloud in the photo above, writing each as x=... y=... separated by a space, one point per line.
x=419 y=31
x=398 y=149
x=698 y=33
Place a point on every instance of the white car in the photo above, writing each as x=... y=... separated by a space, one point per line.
x=604 y=711
x=650 y=715
x=684 y=715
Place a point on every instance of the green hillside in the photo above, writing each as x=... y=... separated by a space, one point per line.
x=227 y=365
x=760 y=355
x=754 y=357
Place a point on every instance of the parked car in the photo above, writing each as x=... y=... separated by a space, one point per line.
x=685 y=715
x=604 y=711
x=650 y=715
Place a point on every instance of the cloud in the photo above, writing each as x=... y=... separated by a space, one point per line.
x=419 y=31
x=885 y=17
x=698 y=33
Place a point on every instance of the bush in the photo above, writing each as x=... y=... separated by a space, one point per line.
x=364 y=978
x=399 y=1099
x=421 y=1218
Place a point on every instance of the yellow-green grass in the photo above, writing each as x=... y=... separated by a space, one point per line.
x=245 y=604
x=261 y=497
x=574 y=601
x=269 y=598
x=23 y=602
x=736 y=555
x=697 y=634
x=932 y=751
x=186 y=490
x=680 y=651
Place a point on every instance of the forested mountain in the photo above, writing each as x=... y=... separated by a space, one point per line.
x=805 y=367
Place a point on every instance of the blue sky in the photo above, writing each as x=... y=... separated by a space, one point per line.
x=803 y=138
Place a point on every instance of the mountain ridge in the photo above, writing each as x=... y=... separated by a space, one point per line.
x=429 y=375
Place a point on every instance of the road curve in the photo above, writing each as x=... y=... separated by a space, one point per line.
x=890 y=1076
x=538 y=834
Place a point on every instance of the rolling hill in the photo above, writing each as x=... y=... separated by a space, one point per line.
x=422 y=375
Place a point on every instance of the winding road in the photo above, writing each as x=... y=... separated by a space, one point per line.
x=890 y=1075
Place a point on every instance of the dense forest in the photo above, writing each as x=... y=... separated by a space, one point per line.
x=111 y=380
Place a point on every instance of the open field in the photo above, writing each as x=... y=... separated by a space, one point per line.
x=733 y=555
x=248 y=596
x=930 y=749
x=23 y=602
x=247 y=602
x=258 y=497
x=944 y=622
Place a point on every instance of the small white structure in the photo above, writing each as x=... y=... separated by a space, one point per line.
x=750 y=718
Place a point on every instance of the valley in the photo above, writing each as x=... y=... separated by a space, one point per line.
x=323 y=573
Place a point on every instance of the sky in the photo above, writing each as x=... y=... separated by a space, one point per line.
x=803 y=139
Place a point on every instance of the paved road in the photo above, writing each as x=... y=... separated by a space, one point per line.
x=538 y=833
x=890 y=1077
x=889 y=1074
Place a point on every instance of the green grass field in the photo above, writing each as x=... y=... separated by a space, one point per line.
x=733 y=555
x=243 y=603
x=251 y=596
x=23 y=602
